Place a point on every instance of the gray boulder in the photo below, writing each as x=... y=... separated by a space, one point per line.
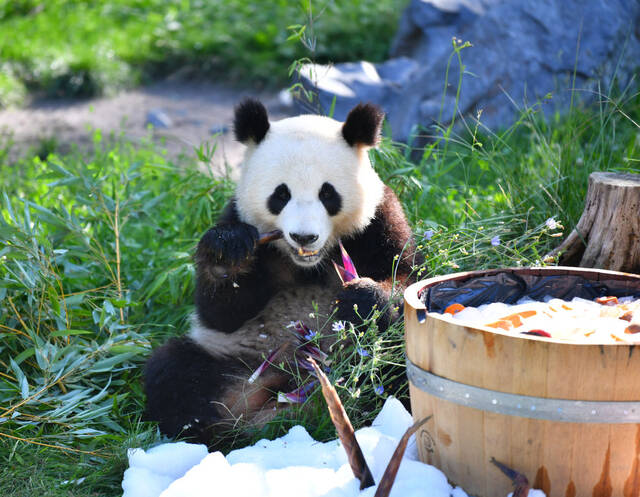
x=353 y=82
x=522 y=51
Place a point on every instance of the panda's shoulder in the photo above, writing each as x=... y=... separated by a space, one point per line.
x=387 y=235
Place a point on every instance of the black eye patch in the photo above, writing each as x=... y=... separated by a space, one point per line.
x=330 y=198
x=278 y=199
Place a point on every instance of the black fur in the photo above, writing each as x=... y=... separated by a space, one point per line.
x=330 y=198
x=181 y=379
x=367 y=295
x=374 y=249
x=278 y=199
x=227 y=244
x=363 y=125
x=251 y=121
x=230 y=283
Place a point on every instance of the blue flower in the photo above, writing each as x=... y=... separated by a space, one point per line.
x=428 y=234
x=495 y=241
x=363 y=352
x=310 y=335
x=338 y=326
x=379 y=389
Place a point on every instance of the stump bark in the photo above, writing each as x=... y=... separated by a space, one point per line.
x=608 y=233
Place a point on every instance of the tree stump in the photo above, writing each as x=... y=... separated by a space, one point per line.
x=608 y=233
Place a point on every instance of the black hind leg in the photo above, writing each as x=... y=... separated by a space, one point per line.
x=182 y=384
x=195 y=395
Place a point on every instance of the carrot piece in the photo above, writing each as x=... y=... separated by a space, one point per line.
x=627 y=316
x=607 y=300
x=512 y=320
x=453 y=309
x=505 y=325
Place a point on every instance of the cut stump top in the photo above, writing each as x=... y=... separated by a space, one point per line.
x=616 y=179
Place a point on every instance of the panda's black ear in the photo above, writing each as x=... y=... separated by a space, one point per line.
x=363 y=125
x=250 y=122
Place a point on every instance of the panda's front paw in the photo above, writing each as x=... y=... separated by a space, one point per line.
x=228 y=245
x=358 y=300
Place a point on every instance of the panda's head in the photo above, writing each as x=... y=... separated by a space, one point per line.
x=308 y=176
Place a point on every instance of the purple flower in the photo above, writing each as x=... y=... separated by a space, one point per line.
x=310 y=335
x=495 y=241
x=363 y=352
x=338 y=326
x=551 y=223
x=379 y=389
x=428 y=234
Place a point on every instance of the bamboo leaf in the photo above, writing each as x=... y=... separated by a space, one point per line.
x=65 y=333
x=108 y=364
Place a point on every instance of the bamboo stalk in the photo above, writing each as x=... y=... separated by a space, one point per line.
x=30 y=441
x=269 y=236
x=520 y=482
x=116 y=229
x=389 y=476
x=345 y=429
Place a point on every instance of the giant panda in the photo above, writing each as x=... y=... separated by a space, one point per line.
x=310 y=178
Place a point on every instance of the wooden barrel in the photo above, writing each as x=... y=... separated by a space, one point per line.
x=566 y=415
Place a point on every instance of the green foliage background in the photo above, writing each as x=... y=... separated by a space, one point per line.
x=83 y=48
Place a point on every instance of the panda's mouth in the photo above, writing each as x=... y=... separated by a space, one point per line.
x=305 y=257
x=306 y=253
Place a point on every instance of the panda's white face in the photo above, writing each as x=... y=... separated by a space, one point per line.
x=305 y=180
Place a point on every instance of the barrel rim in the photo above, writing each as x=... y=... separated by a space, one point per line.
x=412 y=298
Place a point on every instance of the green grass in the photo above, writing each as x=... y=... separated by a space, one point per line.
x=96 y=269
x=83 y=48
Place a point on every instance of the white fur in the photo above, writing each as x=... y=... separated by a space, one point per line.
x=220 y=344
x=304 y=152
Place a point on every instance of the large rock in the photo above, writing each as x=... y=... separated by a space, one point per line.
x=522 y=51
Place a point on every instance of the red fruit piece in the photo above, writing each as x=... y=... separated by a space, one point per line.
x=538 y=333
x=633 y=328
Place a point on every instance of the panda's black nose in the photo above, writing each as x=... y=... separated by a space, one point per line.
x=303 y=239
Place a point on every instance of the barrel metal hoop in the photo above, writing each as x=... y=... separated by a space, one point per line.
x=572 y=411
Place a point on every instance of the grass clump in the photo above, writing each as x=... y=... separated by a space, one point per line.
x=78 y=48
x=86 y=289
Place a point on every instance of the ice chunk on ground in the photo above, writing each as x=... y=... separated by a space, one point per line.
x=151 y=471
x=393 y=419
x=294 y=449
x=142 y=482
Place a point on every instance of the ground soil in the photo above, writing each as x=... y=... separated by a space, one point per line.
x=196 y=111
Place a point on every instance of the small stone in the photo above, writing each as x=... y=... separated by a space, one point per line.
x=219 y=129
x=158 y=119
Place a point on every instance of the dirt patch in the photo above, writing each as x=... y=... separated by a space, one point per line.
x=195 y=111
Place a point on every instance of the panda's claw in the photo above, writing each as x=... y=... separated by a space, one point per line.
x=228 y=244
x=358 y=300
